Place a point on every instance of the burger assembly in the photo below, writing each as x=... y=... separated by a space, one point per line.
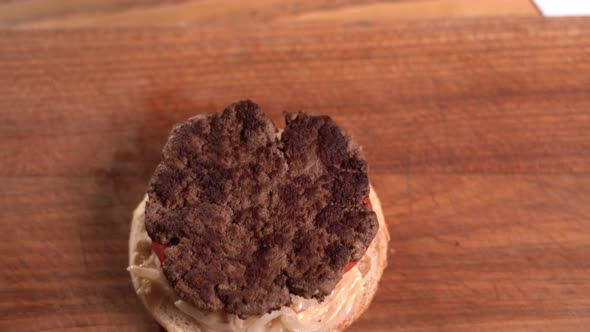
x=248 y=228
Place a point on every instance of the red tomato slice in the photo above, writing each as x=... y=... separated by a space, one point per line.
x=350 y=266
x=159 y=250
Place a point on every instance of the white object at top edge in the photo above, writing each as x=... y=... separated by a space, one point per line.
x=564 y=7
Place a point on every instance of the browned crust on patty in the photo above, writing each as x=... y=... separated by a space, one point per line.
x=250 y=218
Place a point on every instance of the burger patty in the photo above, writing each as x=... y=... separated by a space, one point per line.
x=249 y=218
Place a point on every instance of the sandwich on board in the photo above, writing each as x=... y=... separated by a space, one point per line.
x=248 y=228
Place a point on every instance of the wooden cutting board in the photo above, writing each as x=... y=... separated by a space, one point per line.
x=105 y=13
x=477 y=133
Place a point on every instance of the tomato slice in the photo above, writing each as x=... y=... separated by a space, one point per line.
x=368 y=201
x=159 y=250
x=350 y=266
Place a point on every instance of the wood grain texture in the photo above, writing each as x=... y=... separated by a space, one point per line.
x=477 y=133
x=106 y=13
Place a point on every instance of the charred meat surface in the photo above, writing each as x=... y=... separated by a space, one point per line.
x=250 y=217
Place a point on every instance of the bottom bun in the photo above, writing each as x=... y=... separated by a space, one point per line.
x=348 y=301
